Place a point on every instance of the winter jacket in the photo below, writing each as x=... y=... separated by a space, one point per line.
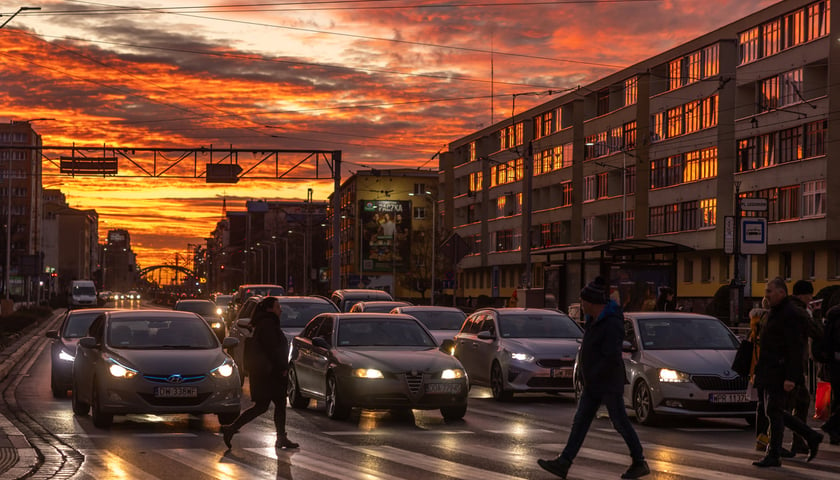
x=270 y=382
x=782 y=346
x=602 y=368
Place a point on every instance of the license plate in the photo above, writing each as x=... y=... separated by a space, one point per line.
x=176 y=392
x=729 y=397
x=564 y=372
x=443 y=388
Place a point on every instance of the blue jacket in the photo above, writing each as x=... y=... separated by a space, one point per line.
x=602 y=367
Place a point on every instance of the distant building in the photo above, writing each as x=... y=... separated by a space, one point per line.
x=118 y=268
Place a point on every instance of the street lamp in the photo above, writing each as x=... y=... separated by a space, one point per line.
x=433 y=201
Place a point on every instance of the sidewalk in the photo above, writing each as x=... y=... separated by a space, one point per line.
x=17 y=456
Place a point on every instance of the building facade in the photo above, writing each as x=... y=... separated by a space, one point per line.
x=633 y=176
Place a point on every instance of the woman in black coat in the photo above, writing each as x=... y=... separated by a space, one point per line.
x=268 y=376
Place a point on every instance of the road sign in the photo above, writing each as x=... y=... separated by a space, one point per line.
x=754 y=236
x=223 y=172
x=729 y=235
x=756 y=204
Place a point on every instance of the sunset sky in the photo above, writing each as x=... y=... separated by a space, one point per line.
x=387 y=82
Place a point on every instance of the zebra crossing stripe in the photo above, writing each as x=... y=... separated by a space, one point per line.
x=431 y=464
x=524 y=457
x=748 y=455
x=104 y=464
x=213 y=465
x=325 y=467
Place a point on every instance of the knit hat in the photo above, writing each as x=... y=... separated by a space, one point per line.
x=595 y=291
x=803 y=287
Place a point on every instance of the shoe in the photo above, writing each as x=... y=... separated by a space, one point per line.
x=559 y=466
x=227 y=434
x=797 y=448
x=284 y=442
x=768 y=461
x=639 y=468
x=814 y=445
x=785 y=453
x=761 y=442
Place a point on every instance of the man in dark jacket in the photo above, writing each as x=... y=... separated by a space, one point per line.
x=831 y=351
x=779 y=370
x=603 y=375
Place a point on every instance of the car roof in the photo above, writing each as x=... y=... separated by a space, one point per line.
x=436 y=308
x=194 y=300
x=370 y=315
x=360 y=291
x=303 y=299
x=91 y=310
x=663 y=315
x=515 y=310
x=154 y=313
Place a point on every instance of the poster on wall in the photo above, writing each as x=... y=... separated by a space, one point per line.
x=385 y=226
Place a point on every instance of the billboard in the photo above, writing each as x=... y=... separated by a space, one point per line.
x=385 y=228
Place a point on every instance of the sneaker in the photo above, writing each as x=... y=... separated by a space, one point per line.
x=559 y=466
x=768 y=461
x=639 y=468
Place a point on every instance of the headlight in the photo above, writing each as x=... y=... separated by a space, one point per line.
x=452 y=373
x=367 y=373
x=63 y=355
x=219 y=310
x=522 y=357
x=667 y=375
x=216 y=325
x=121 y=371
x=224 y=370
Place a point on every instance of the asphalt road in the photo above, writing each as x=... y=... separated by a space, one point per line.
x=495 y=441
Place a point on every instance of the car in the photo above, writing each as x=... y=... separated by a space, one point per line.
x=240 y=329
x=443 y=322
x=344 y=299
x=82 y=294
x=374 y=361
x=377 y=306
x=679 y=365
x=297 y=311
x=133 y=295
x=516 y=350
x=153 y=361
x=223 y=301
x=208 y=310
x=74 y=325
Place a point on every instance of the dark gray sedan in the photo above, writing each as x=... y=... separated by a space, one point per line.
x=374 y=361
x=153 y=361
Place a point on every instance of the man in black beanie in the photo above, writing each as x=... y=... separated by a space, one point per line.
x=603 y=376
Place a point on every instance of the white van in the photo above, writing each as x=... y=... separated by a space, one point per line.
x=82 y=294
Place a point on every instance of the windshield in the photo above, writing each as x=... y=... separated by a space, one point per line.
x=206 y=309
x=686 y=334
x=383 y=332
x=438 y=320
x=224 y=300
x=538 y=325
x=139 y=333
x=78 y=324
x=381 y=307
x=84 y=290
x=275 y=291
x=297 y=315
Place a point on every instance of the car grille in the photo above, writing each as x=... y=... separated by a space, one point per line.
x=555 y=362
x=415 y=383
x=175 y=402
x=545 y=382
x=184 y=378
x=713 y=382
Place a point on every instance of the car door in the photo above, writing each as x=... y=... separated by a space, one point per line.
x=632 y=359
x=485 y=349
x=302 y=356
x=85 y=363
x=465 y=342
x=321 y=356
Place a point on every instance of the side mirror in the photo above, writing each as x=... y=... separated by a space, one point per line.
x=485 y=335
x=87 y=342
x=244 y=323
x=627 y=346
x=320 y=343
x=230 y=342
x=447 y=346
x=52 y=334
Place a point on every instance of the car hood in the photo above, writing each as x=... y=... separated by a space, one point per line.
x=165 y=361
x=543 y=347
x=391 y=360
x=716 y=362
x=441 y=335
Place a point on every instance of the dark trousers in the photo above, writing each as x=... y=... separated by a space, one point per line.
x=261 y=407
x=762 y=425
x=586 y=411
x=774 y=408
x=799 y=403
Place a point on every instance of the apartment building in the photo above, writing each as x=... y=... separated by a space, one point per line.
x=633 y=176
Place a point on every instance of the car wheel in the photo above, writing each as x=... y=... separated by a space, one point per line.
x=296 y=400
x=578 y=388
x=454 y=413
x=643 y=404
x=100 y=418
x=227 y=418
x=497 y=384
x=336 y=410
x=79 y=407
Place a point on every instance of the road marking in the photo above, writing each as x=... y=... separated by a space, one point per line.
x=326 y=467
x=519 y=431
x=399 y=432
x=104 y=464
x=431 y=464
x=748 y=455
x=523 y=457
x=166 y=435
x=214 y=465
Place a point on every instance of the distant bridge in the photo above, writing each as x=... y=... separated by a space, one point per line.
x=186 y=271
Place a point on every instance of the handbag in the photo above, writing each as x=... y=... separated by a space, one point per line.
x=743 y=359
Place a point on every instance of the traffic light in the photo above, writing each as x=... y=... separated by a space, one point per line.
x=222 y=268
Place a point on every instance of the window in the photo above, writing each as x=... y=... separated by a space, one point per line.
x=511 y=136
x=724 y=268
x=705 y=269
x=420 y=189
x=419 y=213
x=589 y=188
x=769 y=90
x=472 y=154
x=771 y=37
x=688 y=270
x=693 y=67
x=688 y=216
x=631 y=91
x=789 y=203
x=711 y=61
x=544 y=124
x=630 y=224
x=657 y=220
x=748 y=45
x=794 y=25
x=813 y=198
x=815 y=136
x=675 y=124
x=657 y=127
x=588 y=225
x=693 y=117
x=630 y=180
x=816 y=20
x=675 y=78
x=790 y=87
x=568 y=155
x=629 y=134
x=614 y=221
x=809 y=264
x=784 y=265
x=603 y=185
x=708 y=212
x=710 y=112
x=602 y=101
x=566 y=187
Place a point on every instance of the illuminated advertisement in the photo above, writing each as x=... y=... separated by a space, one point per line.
x=385 y=227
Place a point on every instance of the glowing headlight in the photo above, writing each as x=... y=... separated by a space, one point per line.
x=218 y=311
x=63 y=355
x=452 y=373
x=224 y=370
x=121 y=371
x=672 y=376
x=522 y=357
x=216 y=325
x=367 y=373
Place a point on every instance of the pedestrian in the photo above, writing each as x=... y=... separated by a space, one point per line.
x=758 y=318
x=799 y=399
x=831 y=353
x=665 y=302
x=604 y=377
x=268 y=378
x=779 y=371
